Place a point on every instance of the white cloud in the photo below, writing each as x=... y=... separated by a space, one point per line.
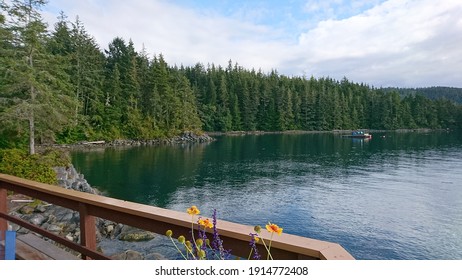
x=337 y=9
x=398 y=43
x=182 y=35
x=401 y=43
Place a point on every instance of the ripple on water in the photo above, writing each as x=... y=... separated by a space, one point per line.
x=393 y=198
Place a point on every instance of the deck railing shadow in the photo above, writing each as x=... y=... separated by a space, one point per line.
x=158 y=220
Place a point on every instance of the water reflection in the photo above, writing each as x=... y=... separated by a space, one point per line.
x=141 y=174
x=397 y=196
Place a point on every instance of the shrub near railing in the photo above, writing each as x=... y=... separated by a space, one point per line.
x=37 y=167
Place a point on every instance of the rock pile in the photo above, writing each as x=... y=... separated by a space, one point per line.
x=186 y=137
x=69 y=178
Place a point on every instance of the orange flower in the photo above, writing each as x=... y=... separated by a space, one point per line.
x=206 y=223
x=193 y=210
x=273 y=228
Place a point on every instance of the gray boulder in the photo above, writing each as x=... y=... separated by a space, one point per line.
x=37 y=219
x=128 y=255
x=132 y=234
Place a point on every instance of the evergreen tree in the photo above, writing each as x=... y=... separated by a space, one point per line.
x=84 y=63
x=112 y=116
x=406 y=115
x=170 y=103
x=88 y=73
x=188 y=114
x=34 y=83
x=224 y=120
x=62 y=87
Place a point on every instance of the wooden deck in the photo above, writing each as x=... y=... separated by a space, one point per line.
x=150 y=218
x=31 y=247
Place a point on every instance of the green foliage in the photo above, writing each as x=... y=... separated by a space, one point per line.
x=258 y=101
x=37 y=167
x=54 y=157
x=71 y=135
x=34 y=83
x=68 y=90
x=434 y=93
x=12 y=138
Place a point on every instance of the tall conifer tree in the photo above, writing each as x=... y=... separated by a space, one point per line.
x=34 y=83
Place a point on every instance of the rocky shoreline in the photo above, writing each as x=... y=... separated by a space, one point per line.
x=115 y=240
x=187 y=137
x=195 y=138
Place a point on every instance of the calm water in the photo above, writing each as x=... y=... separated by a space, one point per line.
x=393 y=197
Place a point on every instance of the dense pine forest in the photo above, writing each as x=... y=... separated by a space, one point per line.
x=450 y=93
x=58 y=86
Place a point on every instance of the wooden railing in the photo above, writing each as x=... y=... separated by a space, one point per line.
x=235 y=236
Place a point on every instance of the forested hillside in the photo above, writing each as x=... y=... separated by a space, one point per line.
x=59 y=86
x=450 y=93
x=239 y=99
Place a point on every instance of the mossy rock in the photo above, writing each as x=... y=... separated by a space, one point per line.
x=128 y=255
x=132 y=234
x=27 y=209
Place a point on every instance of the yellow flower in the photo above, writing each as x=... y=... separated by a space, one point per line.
x=181 y=239
x=188 y=244
x=169 y=233
x=206 y=223
x=257 y=229
x=273 y=228
x=193 y=210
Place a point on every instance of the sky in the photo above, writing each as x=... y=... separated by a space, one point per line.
x=382 y=43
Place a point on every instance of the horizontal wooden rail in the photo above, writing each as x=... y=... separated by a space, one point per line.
x=159 y=220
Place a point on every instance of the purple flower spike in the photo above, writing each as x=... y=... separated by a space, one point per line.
x=253 y=245
x=217 y=243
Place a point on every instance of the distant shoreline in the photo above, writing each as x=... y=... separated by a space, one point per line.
x=185 y=138
x=258 y=132
x=207 y=137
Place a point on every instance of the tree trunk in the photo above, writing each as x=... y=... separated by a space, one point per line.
x=32 y=113
x=31 y=133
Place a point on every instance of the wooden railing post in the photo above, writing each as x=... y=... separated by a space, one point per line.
x=3 y=222
x=3 y=208
x=87 y=229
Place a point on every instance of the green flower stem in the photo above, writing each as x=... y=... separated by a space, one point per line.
x=266 y=247
x=250 y=254
x=190 y=252
x=192 y=231
x=178 y=249
x=269 y=247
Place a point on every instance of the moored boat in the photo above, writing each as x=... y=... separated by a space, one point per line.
x=359 y=134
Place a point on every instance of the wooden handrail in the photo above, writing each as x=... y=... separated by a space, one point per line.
x=159 y=220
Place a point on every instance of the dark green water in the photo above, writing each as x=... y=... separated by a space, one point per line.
x=397 y=196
